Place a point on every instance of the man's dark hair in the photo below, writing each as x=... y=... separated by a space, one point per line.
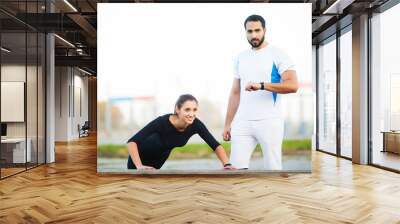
x=255 y=18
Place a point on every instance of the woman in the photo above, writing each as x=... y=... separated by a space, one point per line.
x=151 y=146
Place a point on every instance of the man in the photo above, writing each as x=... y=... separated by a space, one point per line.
x=261 y=74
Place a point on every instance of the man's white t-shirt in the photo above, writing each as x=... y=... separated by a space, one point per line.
x=263 y=65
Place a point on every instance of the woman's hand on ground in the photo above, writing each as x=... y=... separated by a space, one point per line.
x=143 y=167
x=229 y=167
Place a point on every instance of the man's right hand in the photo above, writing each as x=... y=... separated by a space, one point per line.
x=143 y=167
x=227 y=134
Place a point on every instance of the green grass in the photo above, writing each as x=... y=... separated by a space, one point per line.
x=198 y=150
x=112 y=151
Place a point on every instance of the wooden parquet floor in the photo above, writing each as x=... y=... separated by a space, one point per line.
x=70 y=191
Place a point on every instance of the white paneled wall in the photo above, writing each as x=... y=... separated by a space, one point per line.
x=71 y=102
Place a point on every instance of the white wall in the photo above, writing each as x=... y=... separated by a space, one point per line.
x=70 y=83
x=61 y=103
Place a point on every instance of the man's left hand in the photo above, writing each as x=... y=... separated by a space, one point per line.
x=253 y=86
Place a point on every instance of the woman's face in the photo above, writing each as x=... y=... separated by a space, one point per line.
x=188 y=111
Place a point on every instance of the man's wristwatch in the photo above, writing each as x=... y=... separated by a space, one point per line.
x=262 y=85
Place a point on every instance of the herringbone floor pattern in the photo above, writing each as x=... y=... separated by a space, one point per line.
x=70 y=191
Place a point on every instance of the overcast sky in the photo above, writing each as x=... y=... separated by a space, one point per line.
x=166 y=50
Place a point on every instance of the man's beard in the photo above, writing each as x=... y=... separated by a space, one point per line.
x=256 y=45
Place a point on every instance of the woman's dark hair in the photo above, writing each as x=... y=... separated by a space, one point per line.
x=182 y=99
x=255 y=18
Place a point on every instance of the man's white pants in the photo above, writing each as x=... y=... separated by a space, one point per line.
x=246 y=134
